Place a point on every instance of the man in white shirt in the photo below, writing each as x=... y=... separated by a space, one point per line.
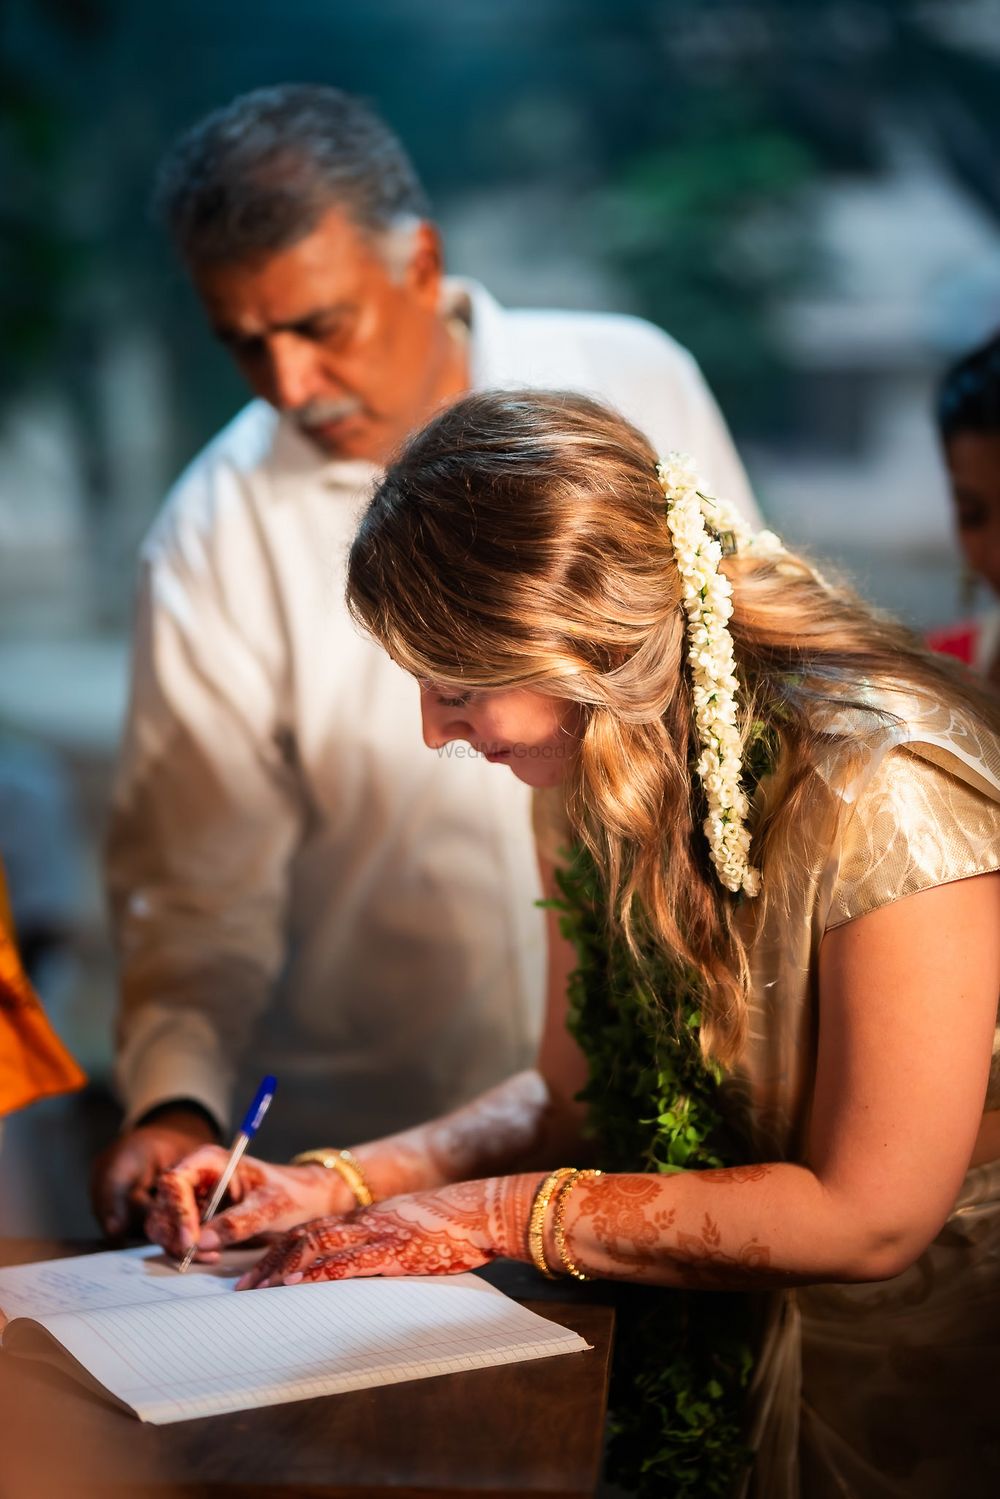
x=299 y=886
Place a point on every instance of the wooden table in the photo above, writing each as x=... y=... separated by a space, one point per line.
x=534 y=1428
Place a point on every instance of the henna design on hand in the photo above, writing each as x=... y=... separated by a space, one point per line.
x=263 y=1199
x=178 y=1204
x=441 y=1232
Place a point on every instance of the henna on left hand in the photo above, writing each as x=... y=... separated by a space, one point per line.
x=440 y=1232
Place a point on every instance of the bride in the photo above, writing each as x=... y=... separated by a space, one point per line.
x=770 y=823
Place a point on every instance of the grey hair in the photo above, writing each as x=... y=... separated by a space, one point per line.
x=256 y=176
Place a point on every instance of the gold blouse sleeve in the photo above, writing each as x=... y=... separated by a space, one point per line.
x=915 y=825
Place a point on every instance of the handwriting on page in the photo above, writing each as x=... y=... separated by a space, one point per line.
x=129 y=1277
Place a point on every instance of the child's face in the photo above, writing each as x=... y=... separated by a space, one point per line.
x=973 y=460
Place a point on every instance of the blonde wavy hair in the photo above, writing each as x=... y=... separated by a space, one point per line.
x=519 y=540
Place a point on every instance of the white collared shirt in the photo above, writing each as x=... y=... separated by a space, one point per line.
x=286 y=857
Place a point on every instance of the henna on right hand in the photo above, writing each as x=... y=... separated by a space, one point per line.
x=264 y=1199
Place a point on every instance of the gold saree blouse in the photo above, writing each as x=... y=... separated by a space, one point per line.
x=881 y=1391
x=895 y=808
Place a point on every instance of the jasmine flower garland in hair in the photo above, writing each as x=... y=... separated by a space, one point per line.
x=708 y=602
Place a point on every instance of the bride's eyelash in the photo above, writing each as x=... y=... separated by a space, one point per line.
x=445 y=702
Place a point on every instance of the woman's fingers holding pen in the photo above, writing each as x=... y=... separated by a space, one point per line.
x=263 y=1210
x=264 y=1199
x=174 y=1218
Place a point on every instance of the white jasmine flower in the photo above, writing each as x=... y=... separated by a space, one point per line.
x=707 y=595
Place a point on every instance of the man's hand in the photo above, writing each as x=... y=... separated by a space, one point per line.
x=125 y=1175
x=442 y=1232
x=264 y=1199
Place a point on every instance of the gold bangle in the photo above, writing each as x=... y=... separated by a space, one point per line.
x=536 y=1223
x=347 y=1165
x=559 y=1228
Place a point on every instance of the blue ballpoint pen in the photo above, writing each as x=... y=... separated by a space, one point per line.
x=247 y=1130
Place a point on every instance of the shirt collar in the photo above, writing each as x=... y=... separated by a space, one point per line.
x=296 y=459
x=490 y=354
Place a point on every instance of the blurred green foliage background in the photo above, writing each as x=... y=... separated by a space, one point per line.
x=688 y=132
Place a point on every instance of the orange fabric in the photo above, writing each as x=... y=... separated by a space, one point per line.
x=33 y=1061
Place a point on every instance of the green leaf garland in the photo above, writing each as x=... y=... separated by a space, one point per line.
x=683 y=1359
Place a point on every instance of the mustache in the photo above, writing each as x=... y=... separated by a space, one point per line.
x=319 y=413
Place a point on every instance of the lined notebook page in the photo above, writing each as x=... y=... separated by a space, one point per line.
x=202 y=1355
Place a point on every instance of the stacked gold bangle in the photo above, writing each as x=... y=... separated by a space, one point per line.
x=558 y=1226
x=536 y=1222
x=346 y=1164
x=558 y=1184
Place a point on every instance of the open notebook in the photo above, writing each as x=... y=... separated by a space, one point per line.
x=171 y=1347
